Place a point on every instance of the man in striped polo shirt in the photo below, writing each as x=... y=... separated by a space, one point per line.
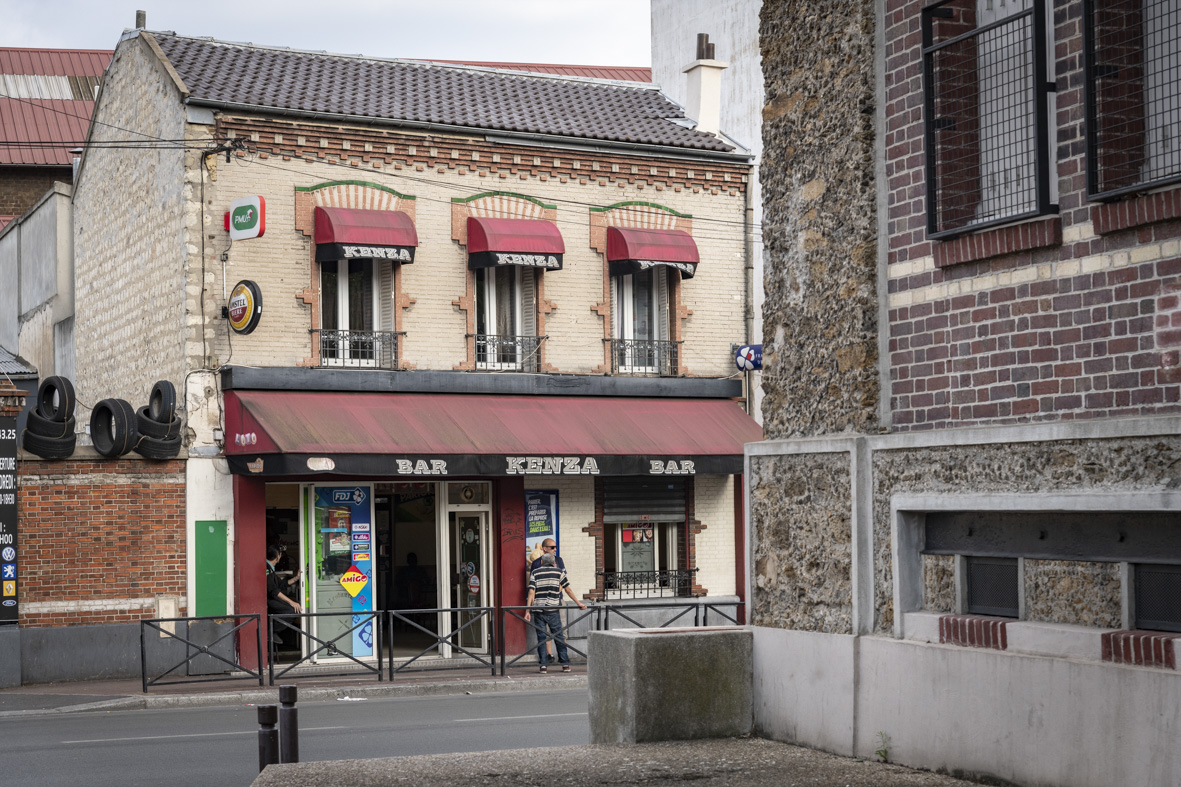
x=546 y=583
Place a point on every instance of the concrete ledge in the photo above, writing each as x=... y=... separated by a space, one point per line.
x=669 y=684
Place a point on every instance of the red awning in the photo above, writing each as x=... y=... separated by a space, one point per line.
x=292 y=433
x=530 y=242
x=631 y=249
x=345 y=233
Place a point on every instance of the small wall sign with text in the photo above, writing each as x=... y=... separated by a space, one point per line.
x=245 y=307
x=247 y=218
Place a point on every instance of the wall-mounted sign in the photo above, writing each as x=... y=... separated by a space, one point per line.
x=749 y=357
x=245 y=307
x=8 y=519
x=247 y=218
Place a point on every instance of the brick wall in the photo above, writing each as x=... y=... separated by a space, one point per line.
x=100 y=539
x=1059 y=318
x=20 y=187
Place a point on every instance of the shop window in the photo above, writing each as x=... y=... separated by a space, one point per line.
x=1158 y=596
x=1133 y=91
x=644 y=538
x=987 y=113
x=992 y=586
x=356 y=314
x=506 y=318
x=640 y=324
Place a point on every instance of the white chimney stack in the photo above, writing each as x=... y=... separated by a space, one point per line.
x=704 y=103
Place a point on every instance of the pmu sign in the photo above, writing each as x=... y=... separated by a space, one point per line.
x=247 y=218
x=8 y=541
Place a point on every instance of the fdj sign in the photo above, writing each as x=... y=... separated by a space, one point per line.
x=247 y=218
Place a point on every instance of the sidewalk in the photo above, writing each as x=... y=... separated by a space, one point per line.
x=92 y=695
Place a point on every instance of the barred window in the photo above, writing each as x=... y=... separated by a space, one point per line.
x=987 y=118
x=992 y=586
x=1132 y=51
x=1158 y=596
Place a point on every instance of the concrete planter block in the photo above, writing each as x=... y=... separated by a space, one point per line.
x=669 y=684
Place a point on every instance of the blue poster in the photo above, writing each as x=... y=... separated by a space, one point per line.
x=541 y=516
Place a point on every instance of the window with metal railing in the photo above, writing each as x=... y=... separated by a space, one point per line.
x=1132 y=58
x=357 y=349
x=987 y=118
x=507 y=353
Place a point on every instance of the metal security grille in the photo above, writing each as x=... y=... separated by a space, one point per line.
x=627 y=500
x=986 y=113
x=992 y=586
x=1132 y=57
x=1158 y=597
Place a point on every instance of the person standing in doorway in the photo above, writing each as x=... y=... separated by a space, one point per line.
x=546 y=583
x=277 y=588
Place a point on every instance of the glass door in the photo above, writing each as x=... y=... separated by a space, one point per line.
x=341 y=568
x=470 y=550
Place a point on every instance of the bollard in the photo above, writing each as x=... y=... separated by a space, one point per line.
x=288 y=725
x=268 y=736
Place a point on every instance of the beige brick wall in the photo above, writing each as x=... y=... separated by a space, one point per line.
x=576 y=508
x=130 y=238
x=281 y=261
x=714 y=506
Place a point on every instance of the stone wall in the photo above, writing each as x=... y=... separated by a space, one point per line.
x=1062 y=591
x=801 y=534
x=820 y=221
x=939 y=583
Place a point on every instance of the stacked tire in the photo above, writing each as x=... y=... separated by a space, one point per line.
x=157 y=424
x=49 y=430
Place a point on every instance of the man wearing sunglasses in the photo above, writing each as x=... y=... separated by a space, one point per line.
x=547 y=580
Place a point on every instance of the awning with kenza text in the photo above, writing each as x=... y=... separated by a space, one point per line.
x=308 y=433
x=632 y=249
x=352 y=233
x=532 y=243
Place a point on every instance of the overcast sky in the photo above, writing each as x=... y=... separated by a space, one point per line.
x=583 y=32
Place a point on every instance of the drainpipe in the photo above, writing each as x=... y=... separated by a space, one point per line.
x=748 y=281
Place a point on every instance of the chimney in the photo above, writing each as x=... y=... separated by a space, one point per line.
x=704 y=103
x=141 y=20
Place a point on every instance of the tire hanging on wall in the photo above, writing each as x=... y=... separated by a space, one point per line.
x=49 y=447
x=146 y=425
x=55 y=399
x=156 y=448
x=42 y=427
x=112 y=427
x=162 y=402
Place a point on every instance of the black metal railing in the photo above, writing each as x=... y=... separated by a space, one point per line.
x=574 y=616
x=211 y=649
x=1131 y=57
x=472 y=634
x=368 y=625
x=645 y=356
x=986 y=116
x=508 y=353
x=357 y=349
x=649 y=584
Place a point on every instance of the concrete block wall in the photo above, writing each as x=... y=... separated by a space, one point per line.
x=130 y=245
x=101 y=539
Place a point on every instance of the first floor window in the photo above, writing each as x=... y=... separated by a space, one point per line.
x=506 y=316
x=644 y=537
x=641 y=321
x=356 y=313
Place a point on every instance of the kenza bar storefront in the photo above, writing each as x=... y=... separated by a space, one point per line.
x=408 y=490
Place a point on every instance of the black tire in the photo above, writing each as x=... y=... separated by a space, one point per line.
x=112 y=427
x=146 y=426
x=45 y=428
x=49 y=447
x=154 y=448
x=55 y=399
x=162 y=402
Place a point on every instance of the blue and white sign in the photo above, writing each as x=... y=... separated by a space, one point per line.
x=8 y=554
x=749 y=358
x=8 y=571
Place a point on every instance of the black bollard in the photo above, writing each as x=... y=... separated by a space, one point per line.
x=268 y=736
x=288 y=725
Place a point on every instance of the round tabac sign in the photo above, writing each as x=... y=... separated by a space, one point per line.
x=473 y=584
x=245 y=307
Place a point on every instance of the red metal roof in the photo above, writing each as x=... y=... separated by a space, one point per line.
x=54 y=62
x=369 y=227
x=532 y=236
x=326 y=424
x=42 y=131
x=623 y=73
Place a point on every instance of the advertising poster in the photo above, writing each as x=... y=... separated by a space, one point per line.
x=541 y=517
x=8 y=542
x=345 y=540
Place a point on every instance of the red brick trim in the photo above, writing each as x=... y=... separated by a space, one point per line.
x=1142 y=648
x=973 y=631
x=998 y=242
x=1146 y=209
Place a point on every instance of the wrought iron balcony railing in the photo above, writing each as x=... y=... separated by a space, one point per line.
x=649 y=584
x=507 y=353
x=357 y=349
x=643 y=356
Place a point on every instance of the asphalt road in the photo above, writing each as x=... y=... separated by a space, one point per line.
x=202 y=746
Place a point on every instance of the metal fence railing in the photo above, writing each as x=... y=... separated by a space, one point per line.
x=357 y=349
x=467 y=637
x=645 y=357
x=668 y=583
x=508 y=353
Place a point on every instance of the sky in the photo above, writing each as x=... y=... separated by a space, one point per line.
x=581 y=32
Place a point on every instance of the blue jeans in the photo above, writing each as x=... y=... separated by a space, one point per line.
x=552 y=621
